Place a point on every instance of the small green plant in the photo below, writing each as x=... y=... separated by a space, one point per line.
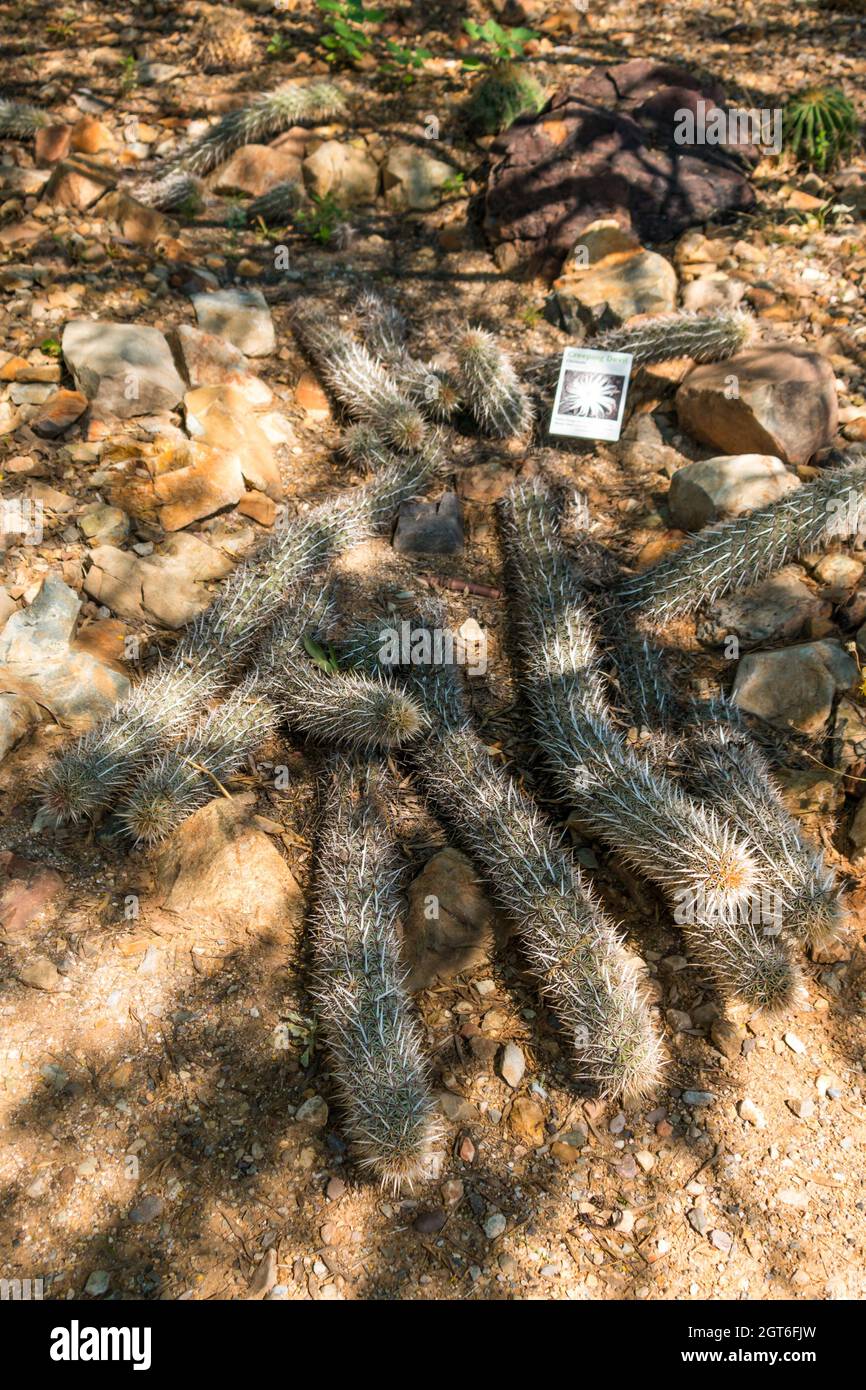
x=505 y=90
x=505 y=44
x=322 y=220
x=128 y=74
x=454 y=184
x=821 y=127
x=279 y=46
x=51 y=347
x=348 y=41
x=325 y=659
x=404 y=62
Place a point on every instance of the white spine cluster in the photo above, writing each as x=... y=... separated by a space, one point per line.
x=370 y=1028
x=707 y=872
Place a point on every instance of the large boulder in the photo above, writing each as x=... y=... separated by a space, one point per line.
x=168 y=588
x=255 y=169
x=124 y=369
x=767 y=400
x=606 y=146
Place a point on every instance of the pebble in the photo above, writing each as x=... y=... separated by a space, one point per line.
x=721 y=1240
x=617 y=1124
x=791 y=1040
x=645 y=1160
x=726 y=1038
x=429 y=1223
x=804 y=1109
x=313 y=1112
x=749 y=1111
x=698 y=1220
x=148 y=1209
x=512 y=1065
x=335 y=1189
x=698 y=1098
x=495 y=1226
x=97 y=1283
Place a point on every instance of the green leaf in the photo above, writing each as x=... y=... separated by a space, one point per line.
x=325 y=660
x=51 y=347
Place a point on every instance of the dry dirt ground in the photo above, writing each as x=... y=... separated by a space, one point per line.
x=149 y=1136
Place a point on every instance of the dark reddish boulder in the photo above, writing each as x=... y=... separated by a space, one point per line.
x=607 y=147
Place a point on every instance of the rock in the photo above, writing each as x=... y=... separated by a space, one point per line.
x=802 y=1107
x=167 y=588
x=206 y=359
x=698 y=1098
x=794 y=1043
x=645 y=1160
x=148 y=1209
x=430 y=1223
x=449 y=924
x=526 y=1121
x=726 y=1038
x=566 y=1149
x=793 y=1197
x=512 y=1065
x=778 y=610
x=310 y=397
x=241 y=316
x=721 y=1241
x=495 y=1226
x=807 y=793
x=135 y=221
x=36 y=651
x=343 y=172
x=258 y=507
x=265 y=1277
x=41 y=974
x=314 y=1112
x=98 y=1283
x=749 y=1111
x=698 y=1220
x=51 y=144
x=766 y=400
x=26 y=889
x=103 y=524
x=212 y=482
x=714 y=291
x=123 y=369
x=255 y=169
x=58 y=413
x=434 y=528
x=856 y=830
x=19 y=716
x=90 y=136
x=838 y=574
x=412 y=179
x=77 y=183
x=717 y=488
x=794 y=688
x=604 y=147
x=219 y=416
x=455 y=1108
x=219 y=868
x=617 y=288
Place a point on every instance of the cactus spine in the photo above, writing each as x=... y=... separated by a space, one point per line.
x=218 y=643
x=359 y=382
x=372 y=1034
x=587 y=976
x=674 y=841
x=741 y=552
x=18 y=121
x=384 y=332
x=705 y=337
x=489 y=384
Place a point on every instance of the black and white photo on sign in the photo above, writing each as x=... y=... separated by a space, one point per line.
x=591 y=395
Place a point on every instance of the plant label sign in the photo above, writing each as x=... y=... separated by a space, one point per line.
x=590 y=394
